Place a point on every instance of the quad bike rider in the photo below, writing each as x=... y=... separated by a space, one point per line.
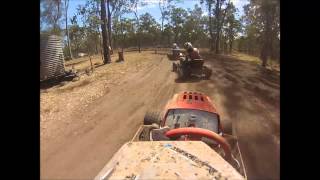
x=191 y=52
x=175 y=46
x=175 y=52
x=191 y=64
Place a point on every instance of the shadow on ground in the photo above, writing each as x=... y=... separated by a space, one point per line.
x=264 y=83
x=250 y=94
x=191 y=79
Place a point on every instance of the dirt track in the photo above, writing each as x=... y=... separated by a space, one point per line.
x=242 y=92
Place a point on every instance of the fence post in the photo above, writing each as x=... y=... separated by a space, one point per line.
x=121 y=58
x=91 y=63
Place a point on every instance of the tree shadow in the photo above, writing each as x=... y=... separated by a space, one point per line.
x=256 y=141
x=263 y=94
x=187 y=80
x=239 y=84
x=248 y=75
x=231 y=78
x=191 y=79
x=54 y=82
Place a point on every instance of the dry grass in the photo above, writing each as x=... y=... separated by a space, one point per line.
x=58 y=103
x=246 y=57
x=271 y=64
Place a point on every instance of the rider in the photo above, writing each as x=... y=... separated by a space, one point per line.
x=191 y=52
x=176 y=50
x=175 y=46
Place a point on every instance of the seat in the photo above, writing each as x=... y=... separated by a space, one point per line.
x=196 y=63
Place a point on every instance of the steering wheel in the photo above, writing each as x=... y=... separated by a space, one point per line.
x=199 y=132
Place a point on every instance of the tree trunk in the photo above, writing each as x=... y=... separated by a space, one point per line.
x=96 y=52
x=101 y=44
x=139 y=42
x=115 y=44
x=222 y=44
x=106 y=53
x=121 y=58
x=161 y=37
x=217 y=15
x=264 y=56
x=265 y=52
x=122 y=35
x=220 y=22
x=225 y=46
x=66 y=3
x=138 y=32
x=162 y=20
x=124 y=40
x=175 y=37
x=109 y=24
x=230 y=46
x=210 y=28
x=99 y=33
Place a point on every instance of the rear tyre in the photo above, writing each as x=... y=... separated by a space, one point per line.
x=174 y=67
x=180 y=73
x=207 y=72
x=152 y=117
x=227 y=127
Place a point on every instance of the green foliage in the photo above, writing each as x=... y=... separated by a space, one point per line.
x=51 y=12
x=178 y=25
x=262 y=29
x=150 y=29
x=176 y=21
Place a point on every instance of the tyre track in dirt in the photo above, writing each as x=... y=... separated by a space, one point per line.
x=255 y=116
x=114 y=118
x=111 y=121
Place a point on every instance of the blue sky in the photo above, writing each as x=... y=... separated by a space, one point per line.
x=153 y=8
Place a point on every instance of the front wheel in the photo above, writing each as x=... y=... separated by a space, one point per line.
x=152 y=117
x=207 y=72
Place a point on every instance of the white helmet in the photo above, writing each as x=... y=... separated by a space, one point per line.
x=188 y=45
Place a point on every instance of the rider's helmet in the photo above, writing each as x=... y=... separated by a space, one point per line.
x=174 y=46
x=188 y=46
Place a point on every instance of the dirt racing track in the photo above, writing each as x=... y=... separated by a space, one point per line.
x=244 y=94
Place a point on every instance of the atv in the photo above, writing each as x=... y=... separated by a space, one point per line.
x=184 y=141
x=176 y=54
x=186 y=68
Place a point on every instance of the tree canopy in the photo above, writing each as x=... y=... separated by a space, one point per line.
x=215 y=25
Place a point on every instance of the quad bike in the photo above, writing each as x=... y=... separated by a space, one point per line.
x=176 y=54
x=184 y=141
x=191 y=67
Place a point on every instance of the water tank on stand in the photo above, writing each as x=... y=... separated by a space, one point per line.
x=51 y=57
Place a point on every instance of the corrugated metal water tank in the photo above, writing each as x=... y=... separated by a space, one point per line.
x=51 y=57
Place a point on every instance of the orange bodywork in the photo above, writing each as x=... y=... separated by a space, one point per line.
x=191 y=100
